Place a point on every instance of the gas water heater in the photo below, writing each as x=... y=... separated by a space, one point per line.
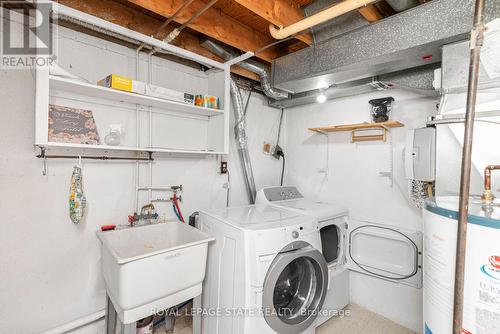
x=482 y=277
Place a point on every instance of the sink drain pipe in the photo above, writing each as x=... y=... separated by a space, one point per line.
x=242 y=141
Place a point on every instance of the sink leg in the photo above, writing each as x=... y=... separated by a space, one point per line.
x=110 y=316
x=128 y=328
x=197 y=315
x=169 y=323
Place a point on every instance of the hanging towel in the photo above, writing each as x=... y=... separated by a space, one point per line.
x=77 y=200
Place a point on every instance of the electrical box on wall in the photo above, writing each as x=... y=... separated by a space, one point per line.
x=420 y=154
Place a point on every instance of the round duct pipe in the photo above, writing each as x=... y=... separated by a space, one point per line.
x=401 y=5
x=252 y=66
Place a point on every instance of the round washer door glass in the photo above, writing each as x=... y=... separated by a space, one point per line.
x=294 y=290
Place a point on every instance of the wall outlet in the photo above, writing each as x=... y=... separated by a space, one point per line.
x=223 y=167
x=277 y=150
x=267 y=148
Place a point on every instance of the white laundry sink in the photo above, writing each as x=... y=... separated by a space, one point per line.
x=153 y=266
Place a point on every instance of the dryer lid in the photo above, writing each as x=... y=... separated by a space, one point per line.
x=320 y=210
x=259 y=217
x=385 y=252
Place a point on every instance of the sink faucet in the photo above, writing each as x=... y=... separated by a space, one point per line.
x=148 y=212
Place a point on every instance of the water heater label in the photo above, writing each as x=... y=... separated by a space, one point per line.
x=482 y=281
x=482 y=276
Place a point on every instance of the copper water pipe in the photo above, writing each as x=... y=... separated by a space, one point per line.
x=476 y=42
x=488 y=196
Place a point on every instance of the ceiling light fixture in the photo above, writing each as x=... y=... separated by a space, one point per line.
x=321 y=98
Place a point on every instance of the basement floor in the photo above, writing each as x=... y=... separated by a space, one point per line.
x=360 y=321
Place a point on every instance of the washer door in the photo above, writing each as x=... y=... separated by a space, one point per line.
x=294 y=290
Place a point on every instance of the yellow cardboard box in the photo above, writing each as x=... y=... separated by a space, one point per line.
x=123 y=83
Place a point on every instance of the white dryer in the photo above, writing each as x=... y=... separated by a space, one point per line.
x=382 y=251
x=265 y=273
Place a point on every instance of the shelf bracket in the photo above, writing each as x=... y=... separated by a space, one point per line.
x=356 y=138
x=42 y=155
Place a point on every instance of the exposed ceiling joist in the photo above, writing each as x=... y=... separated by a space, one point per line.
x=215 y=24
x=371 y=13
x=277 y=12
x=127 y=17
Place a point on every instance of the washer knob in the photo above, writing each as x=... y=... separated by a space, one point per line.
x=295 y=234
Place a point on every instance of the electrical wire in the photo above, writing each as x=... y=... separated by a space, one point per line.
x=281 y=153
x=228 y=187
x=279 y=126
x=246 y=104
x=282 y=168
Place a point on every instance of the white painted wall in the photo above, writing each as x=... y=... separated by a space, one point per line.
x=353 y=180
x=484 y=152
x=50 y=268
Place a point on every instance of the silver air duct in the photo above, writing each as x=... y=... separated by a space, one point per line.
x=252 y=66
x=404 y=41
x=401 y=5
x=241 y=140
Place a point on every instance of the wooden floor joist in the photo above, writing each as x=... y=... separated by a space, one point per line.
x=215 y=24
x=371 y=13
x=127 y=17
x=277 y=12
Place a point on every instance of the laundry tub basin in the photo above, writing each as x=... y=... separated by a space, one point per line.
x=153 y=265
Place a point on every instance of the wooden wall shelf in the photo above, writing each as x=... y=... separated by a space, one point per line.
x=384 y=126
x=358 y=126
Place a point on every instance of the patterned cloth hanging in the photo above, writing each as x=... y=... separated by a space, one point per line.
x=77 y=200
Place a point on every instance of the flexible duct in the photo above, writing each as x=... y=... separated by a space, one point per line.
x=241 y=140
x=252 y=66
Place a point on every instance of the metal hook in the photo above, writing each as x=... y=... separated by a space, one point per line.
x=42 y=154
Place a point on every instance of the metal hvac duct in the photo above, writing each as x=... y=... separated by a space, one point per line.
x=419 y=81
x=242 y=142
x=252 y=66
x=401 y=5
x=407 y=40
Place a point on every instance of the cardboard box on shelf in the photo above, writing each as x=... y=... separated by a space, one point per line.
x=169 y=94
x=123 y=83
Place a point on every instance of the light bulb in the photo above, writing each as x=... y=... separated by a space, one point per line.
x=321 y=98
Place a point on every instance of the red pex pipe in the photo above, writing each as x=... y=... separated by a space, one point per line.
x=176 y=203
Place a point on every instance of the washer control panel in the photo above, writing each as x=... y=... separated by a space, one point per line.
x=282 y=193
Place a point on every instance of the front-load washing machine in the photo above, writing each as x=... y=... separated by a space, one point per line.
x=265 y=272
x=370 y=248
x=333 y=226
